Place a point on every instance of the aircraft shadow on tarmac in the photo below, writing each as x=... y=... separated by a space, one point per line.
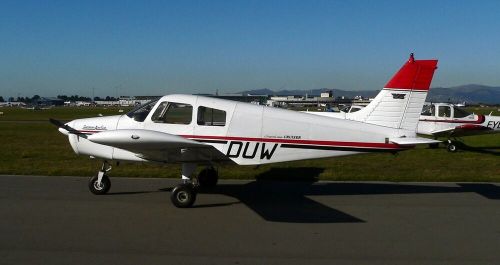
x=280 y=194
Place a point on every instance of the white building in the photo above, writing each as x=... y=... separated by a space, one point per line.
x=12 y=104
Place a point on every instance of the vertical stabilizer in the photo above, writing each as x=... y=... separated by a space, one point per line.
x=400 y=102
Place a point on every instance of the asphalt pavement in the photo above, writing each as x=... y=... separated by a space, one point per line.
x=56 y=220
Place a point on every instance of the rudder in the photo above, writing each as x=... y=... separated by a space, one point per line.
x=399 y=103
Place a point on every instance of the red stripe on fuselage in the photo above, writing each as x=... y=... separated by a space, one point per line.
x=473 y=127
x=480 y=119
x=291 y=141
x=90 y=132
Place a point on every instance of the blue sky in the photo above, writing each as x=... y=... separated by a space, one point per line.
x=160 y=47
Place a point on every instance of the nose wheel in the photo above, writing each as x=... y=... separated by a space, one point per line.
x=100 y=184
x=99 y=188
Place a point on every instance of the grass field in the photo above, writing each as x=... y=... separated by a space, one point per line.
x=31 y=146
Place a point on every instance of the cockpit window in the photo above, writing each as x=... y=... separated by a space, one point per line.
x=140 y=113
x=444 y=111
x=173 y=113
x=428 y=110
x=460 y=113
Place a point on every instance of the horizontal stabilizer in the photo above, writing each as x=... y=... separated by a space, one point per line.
x=413 y=141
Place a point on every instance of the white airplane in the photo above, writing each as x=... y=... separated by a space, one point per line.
x=448 y=120
x=195 y=130
x=344 y=113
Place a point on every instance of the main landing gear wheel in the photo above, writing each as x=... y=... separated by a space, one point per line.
x=99 y=188
x=451 y=147
x=208 y=178
x=183 y=195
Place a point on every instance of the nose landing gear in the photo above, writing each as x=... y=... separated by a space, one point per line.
x=100 y=184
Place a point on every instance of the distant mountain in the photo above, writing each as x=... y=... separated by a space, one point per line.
x=313 y=92
x=468 y=93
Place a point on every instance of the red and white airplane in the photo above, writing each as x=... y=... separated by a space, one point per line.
x=195 y=130
x=448 y=120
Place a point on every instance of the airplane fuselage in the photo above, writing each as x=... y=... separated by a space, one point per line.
x=439 y=118
x=248 y=134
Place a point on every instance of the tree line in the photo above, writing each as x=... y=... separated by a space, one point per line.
x=35 y=98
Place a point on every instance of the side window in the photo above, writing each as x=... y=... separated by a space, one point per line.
x=173 y=113
x=428 y=110
x=444 y=111
x=211 y=117
x=460 y=113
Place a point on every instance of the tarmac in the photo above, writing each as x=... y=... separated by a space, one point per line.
x=56 y=220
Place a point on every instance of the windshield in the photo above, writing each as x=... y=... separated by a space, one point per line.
x=140 y=113
x=173 y=113
x=354 y=109
x=345 y=109
x=428 y=110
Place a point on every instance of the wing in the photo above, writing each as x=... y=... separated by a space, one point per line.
x=463 y=130
x=413 y=141
x=158 y=146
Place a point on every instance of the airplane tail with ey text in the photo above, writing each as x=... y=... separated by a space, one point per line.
x=400 y=102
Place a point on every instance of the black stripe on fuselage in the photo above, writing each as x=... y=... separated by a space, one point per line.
x=337 y=148
x=211 y=141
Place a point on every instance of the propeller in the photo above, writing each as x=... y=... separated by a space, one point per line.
x=71 y=130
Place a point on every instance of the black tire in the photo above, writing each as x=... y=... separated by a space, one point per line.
x=183 y=196
x=452 y=148
x=208 y=177
x=97 y=189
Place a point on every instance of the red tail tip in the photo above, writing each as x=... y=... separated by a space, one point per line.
x=414 y=75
